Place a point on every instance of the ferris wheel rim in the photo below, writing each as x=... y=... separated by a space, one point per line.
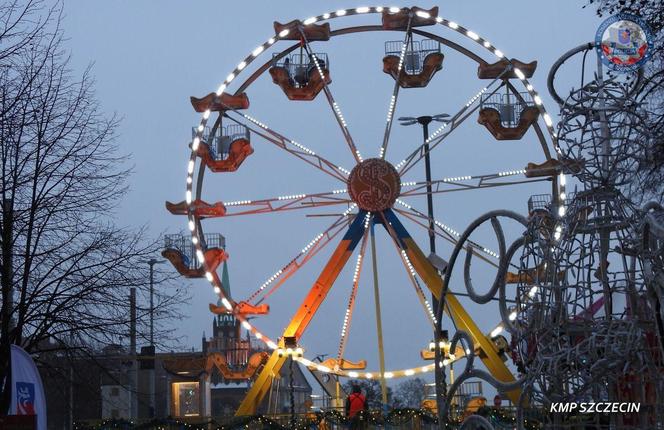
x=194 y=220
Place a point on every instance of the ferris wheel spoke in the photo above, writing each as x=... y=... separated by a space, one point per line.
x=336 y=110
x=305 y=255
x=410 y=270
x=348 y=316
x=449 y=236
x=395 y=92
x=286 y=203
x=465 y=183
x=446 y=129
x=291 y=146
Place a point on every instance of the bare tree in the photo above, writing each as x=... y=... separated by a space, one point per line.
x=66 y=268
x=410 y=393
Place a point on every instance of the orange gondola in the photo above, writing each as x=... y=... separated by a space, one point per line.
x=295 y=29
x=343 y=364
x=199 y=207
x=507 y=116
x=493 y=70
x=220 y=103
x=553 y=167
x=229 y=147
x=422 y=59
x=299 y=75
x=180 y=252
x=218 y=361
x=243 y=308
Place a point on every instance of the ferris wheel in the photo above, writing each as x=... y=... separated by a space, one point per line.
x=372 y=195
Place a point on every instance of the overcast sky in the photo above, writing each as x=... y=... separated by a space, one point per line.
x=150 y=56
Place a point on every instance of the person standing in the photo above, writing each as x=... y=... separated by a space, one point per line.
x=355 y=403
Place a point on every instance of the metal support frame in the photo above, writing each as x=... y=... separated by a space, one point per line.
x=324 y=283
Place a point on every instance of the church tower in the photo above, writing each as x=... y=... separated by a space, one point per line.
x=227 y=332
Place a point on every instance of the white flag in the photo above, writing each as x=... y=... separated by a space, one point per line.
x=27 y=389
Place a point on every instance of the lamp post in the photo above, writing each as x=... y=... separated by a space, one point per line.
x=424 y=121
x=439 y=371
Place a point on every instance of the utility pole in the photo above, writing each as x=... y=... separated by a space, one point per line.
x=151 y=262
x=424 y=121
x=151 y=383
x=133 y=389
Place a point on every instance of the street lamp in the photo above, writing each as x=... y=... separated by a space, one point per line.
x=424 y=121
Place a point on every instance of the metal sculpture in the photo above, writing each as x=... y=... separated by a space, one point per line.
x=587 y=323
x=580 y=292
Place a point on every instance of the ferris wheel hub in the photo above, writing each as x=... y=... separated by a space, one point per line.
x=374 y=185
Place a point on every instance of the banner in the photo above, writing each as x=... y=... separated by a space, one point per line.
x=27 y=389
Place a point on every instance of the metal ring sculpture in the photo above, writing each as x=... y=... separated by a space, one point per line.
x=508 y=314
x=588 y=330
x=375 y=188
x=652 y=248
x=587 y=320
x=633 y=83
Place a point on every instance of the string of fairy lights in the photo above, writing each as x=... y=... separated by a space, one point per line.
x=194 y=221
x=348 y=315
x=305 y=421
x=335 y=106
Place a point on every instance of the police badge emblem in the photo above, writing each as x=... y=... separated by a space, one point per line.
x=624 y=42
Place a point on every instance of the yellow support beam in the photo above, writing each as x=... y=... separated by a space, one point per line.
x=456 y=311
x=261 y=385
x=453 y=307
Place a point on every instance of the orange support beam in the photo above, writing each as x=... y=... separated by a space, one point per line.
x=304 y=314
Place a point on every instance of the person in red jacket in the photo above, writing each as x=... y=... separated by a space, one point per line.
x=355 y=403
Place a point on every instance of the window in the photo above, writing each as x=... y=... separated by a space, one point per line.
x=186 y=397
